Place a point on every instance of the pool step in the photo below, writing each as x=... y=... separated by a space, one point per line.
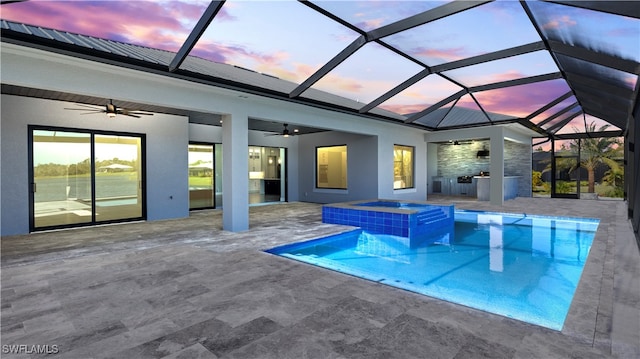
x=431 y=216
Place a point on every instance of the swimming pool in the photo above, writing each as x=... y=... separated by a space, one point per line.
x=516 y=265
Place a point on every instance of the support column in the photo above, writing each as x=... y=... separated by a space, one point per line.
x=235 y=176
x=496 y=194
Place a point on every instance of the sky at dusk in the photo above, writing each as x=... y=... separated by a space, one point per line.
x=291 y=41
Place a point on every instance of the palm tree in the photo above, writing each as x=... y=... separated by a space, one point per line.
x=614 y=176
x=596 y=151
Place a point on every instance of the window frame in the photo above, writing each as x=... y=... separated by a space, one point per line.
x=413 y=165
x=213 y=153
x=317 y=168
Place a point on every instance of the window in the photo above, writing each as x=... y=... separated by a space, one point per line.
x=402 y=167
x=331 y=170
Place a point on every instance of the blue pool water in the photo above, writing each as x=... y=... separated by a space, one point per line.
x=519 y=266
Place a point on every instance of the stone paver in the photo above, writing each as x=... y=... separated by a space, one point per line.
x=187 y=289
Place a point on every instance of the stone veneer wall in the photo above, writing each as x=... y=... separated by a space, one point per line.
x=517 y=162
x=460 y=160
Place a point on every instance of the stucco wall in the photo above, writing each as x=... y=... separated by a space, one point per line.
x=362 y=167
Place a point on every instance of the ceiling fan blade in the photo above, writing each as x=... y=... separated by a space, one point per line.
x=89 y=106
x=83 y=109
x=91 y=112
x=131 y=115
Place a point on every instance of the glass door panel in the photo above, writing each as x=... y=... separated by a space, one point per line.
x=267 y=179
x=118 y=179
x=566 y=177
x=201 y=176
x=218 y=174
x=61 y=182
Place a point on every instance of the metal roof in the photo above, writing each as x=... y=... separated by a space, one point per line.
x=591 y=76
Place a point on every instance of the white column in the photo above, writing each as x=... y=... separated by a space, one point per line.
x=235 y=172
x=496 y=194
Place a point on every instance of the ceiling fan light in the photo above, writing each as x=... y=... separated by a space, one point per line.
x=285 y=132
x=111 y=109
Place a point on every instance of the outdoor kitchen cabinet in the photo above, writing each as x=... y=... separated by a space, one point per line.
x=449 y=186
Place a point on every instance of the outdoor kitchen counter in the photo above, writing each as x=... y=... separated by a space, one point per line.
x=510 y=186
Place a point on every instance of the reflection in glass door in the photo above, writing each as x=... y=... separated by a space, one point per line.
x=267 y=174
x=61 y=178
x=84 y=178
x=201 y=176
x=118 y=181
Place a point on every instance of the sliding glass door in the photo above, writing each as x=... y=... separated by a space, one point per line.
x=118 y=177
x=267 y=174
x=82 y=177
x=201 y=176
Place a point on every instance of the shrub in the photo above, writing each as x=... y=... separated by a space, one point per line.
x=536 y=178
x=616 y=192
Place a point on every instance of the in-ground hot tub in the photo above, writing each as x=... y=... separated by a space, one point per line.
x=415 y=220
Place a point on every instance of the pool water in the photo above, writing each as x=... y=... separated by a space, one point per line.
x=516 y=265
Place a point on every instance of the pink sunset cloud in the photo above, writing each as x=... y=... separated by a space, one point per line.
x=447 y=55
x=370 y=24
x=299 y=73
x=274 y=64
x=467 y=101
x=521 y=100
x=238 y=55
x=404 y=109
x=631 y=81
x=624 y=32
x=343 y=84
x=218 y=52
x=559 y=22
x=505 y=76
x=144 y=23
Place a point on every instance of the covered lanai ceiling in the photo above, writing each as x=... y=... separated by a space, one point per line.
x=553 y=66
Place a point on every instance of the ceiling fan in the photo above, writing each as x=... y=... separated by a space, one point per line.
x=285 y=132
x=110 y=109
